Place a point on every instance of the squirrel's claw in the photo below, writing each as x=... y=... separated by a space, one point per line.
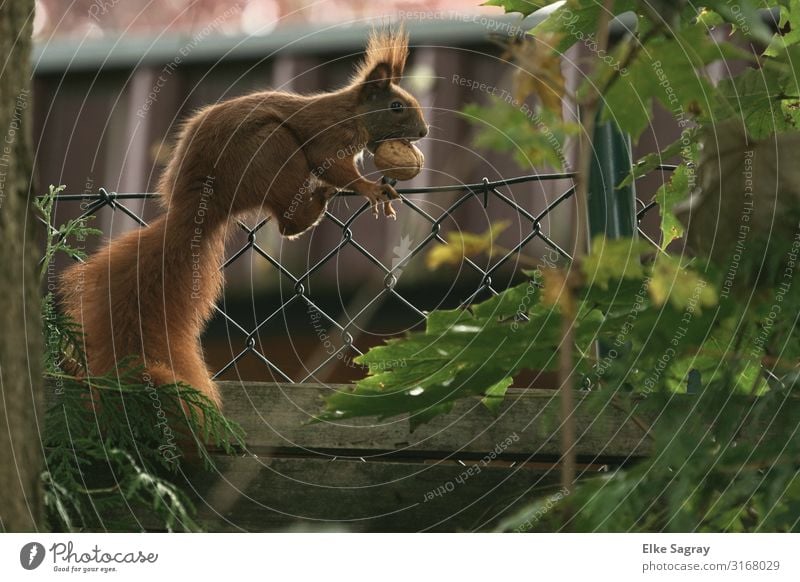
x=383 y=196
x=388 y=211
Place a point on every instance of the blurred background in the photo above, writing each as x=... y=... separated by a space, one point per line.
x=114 y=80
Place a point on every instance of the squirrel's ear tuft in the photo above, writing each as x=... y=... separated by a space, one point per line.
x=386 y=50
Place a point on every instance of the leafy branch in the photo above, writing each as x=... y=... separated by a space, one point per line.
x=707 y=329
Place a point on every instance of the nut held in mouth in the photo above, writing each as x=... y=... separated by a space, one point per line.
x=398 y=159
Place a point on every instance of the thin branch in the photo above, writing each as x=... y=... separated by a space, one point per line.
x=569 y=310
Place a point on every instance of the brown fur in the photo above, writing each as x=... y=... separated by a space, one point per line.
x=384 y=47
x=150 y=292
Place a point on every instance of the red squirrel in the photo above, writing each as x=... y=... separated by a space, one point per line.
x=149 y=293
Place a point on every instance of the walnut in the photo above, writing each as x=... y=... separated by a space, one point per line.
x=398 y=159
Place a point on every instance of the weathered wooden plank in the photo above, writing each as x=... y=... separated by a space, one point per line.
x=277 y=417
x=279 y=494
x=410 y=481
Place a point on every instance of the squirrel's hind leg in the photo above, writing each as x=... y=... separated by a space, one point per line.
x=295 y=195
x=308 y=213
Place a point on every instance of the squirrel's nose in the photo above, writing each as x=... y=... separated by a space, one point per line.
x=423 y=132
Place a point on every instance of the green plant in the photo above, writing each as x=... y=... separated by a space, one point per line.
x=114 y=444
x=710 y=328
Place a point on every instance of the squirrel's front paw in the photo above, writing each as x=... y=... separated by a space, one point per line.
x=382 y=194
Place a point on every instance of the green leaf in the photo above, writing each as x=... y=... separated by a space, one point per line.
x=577 y=21
x=516 y=300
x=493 y=399
x=461 y=354
x=666 y=69
x=105 y=459
x=790 y=15
x=755 y=97
x=612 y=260
x=534 y=138
x=462 y=244
x=680 y=286
x=744 y=16
x=442 y=320
x=709 y=18
x=59 y=239
x=651 y=161
x=524 y=7
x=670 y=195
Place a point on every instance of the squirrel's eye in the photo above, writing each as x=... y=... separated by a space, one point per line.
x=397 y=106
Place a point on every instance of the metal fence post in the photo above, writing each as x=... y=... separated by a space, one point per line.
x=611 y=210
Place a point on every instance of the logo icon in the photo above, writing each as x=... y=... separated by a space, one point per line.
x=31 y=555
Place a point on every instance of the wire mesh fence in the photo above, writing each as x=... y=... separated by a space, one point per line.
x=343 y=333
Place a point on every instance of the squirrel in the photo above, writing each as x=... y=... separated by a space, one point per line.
x=149 y=293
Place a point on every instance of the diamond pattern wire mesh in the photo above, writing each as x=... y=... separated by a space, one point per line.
x=92 y=203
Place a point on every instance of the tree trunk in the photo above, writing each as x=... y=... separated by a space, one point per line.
x=20 y=321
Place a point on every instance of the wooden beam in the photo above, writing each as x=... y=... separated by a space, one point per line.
x=278 y=418
x=276 y=494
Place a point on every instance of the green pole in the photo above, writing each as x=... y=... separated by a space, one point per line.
x=611 y=210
